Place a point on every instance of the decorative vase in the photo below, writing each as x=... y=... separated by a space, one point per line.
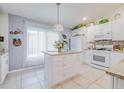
x=59 y=49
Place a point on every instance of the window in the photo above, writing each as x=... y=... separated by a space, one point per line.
x=38 y=40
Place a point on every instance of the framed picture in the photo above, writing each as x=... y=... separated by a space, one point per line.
x=1 y=39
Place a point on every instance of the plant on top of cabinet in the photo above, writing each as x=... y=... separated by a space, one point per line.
x=103 y=20
x=78 y=26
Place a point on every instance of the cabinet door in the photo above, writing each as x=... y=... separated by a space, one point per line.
x=79 y=31
x=106 y=27
x=76 y=43
x=90 y=34
x=103 y=28
x=87 y=57
x=117 y=30
x=116 y=57
x=119 y=83
x=96 y=29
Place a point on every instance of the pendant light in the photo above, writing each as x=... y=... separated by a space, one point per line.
x=58 y=27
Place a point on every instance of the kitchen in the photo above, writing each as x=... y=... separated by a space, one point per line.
x=56 y=58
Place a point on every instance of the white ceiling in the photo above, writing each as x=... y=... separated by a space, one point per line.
x=71 y=14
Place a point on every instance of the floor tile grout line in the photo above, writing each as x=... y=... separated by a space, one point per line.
x=38 y=78
x=96 y=80
x=101 y=85
x=90 y=83
x=78 y=84
x=34 y=76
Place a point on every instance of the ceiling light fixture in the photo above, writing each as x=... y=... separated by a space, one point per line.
x=58 y=27
x=84 y=18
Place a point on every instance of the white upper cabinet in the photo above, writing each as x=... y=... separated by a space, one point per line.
x=117 y=30
x=90 y=33
x=76 y=43
x=81 y=30
x=103 y=28
x=111 y=30
x=103 y=32
x=106 y=27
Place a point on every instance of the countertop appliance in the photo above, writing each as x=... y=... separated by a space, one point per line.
x=101 y=55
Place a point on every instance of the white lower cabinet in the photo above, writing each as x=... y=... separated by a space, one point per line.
x=87 y=56
x=60 y=67
x=115 y=57
x=4 y=66
x=119 y=84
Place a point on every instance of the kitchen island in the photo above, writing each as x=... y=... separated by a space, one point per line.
x=117 y=71
x=61 y=66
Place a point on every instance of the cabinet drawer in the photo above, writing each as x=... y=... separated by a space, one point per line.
x=62 y=65
x=59 y=58
x=65 y=58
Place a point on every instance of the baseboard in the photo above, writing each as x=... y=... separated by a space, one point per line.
x=26 y=68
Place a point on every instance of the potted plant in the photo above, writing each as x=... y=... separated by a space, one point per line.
x=60 y=44
x=78 y=26
x=103 y=20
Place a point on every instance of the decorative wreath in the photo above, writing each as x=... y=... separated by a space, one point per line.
x=17 y=42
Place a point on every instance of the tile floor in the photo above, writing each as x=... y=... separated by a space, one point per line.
x=89 y=78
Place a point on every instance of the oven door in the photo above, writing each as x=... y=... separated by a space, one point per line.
x=101 y=59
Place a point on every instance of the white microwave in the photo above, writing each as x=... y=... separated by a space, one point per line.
x=103 y=36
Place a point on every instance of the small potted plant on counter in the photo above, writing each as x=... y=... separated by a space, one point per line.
x=60 y=44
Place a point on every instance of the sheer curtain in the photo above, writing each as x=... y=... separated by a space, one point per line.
x=39 y=39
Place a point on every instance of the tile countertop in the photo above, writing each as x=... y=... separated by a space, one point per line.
x=117 y=70
x=53 y=53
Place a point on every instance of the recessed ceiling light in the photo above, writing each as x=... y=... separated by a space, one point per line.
x=84 y=18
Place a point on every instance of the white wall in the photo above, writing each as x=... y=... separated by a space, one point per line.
x=4 y=30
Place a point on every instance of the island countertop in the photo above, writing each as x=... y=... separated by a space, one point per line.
x=117 y=70
x=54 y=53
